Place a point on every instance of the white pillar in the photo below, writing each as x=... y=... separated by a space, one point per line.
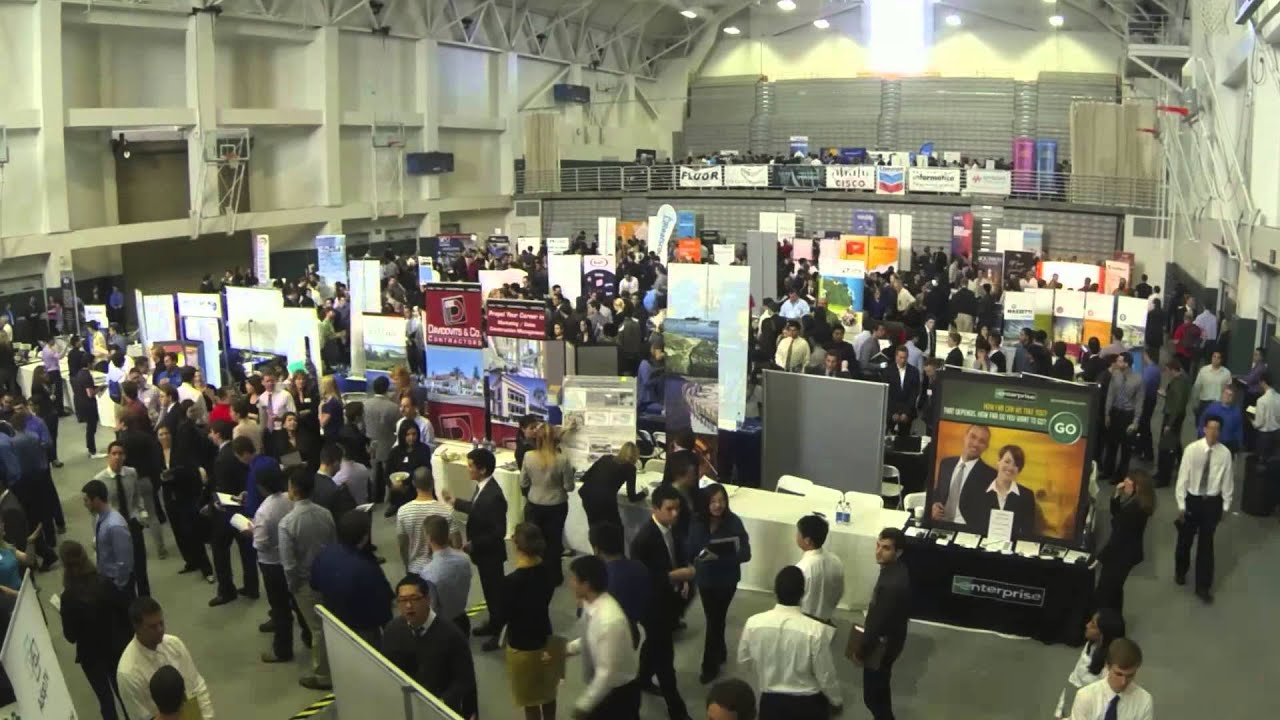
x=51 y=150
x=427 y=60
x=507 y=92
x=202 y=97
x=324 y=57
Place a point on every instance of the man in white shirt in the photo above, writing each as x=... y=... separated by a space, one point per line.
x=1116 y=696
x=1266 y=419
x=1208 y=324
x=794 y=307
x=273 y=404
x=1209 y=383
x=791 y=653
x=1203 y=491
x=823 y=571
x=150 y=650
x=793 y=351
x=905 y=298
x=608 y=645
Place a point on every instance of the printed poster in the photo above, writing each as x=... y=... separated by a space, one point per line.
x=990 y=268
x=604 y=411
x=1131 y=318
x=1117 y=272
x=453 y=315
x=1019 y=314
x=384 y=343
x=689 y=250
x=331 y=259
x=599 y=275
x=1098 y=310
x=882 y=254
x=516 y=319
x=962 y=234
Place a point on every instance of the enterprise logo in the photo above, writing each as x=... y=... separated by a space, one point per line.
x=998 y=591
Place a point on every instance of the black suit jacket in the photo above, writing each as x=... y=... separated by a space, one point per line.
x=955 y=358
x=486 y=522
x=903 y=392
x=888 y=614
x=977 y=512
x=1128 y=523
x=997 y=358
x=975 y=484
x=649 y=549
x=229 y=474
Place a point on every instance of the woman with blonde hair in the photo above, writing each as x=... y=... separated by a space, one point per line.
x=535 y=659
x=546 y=480
x=602 y=481
x=331 y=415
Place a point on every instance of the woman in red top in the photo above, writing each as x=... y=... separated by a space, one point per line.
x=222 y=409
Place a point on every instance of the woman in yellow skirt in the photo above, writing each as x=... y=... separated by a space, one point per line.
x=535 y=657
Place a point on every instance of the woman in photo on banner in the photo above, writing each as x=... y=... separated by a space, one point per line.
x=1004 y=493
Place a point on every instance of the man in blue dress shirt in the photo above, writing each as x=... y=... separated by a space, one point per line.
x=1232 y=419
x=629 y=582
x=111 y=537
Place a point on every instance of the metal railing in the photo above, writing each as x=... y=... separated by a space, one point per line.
x=1120 y=192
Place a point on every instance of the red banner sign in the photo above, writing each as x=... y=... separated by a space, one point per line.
x=516 y=319
x=453 y=315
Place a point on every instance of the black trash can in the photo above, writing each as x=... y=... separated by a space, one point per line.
x=1257 y=496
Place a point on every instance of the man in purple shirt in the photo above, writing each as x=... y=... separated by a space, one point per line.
x=51 y=359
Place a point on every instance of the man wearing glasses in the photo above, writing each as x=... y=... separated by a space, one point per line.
x=431 y=650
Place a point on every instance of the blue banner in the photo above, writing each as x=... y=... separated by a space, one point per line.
x=331 y=259
x=686 y=225
x=864 y=223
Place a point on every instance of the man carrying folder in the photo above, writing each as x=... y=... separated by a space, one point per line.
x=877 y=646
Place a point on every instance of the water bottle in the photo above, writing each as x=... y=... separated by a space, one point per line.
x=842 y=512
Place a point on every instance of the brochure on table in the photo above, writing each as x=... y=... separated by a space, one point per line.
x=603 y=412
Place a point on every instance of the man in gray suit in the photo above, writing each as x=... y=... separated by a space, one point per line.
x=380 y=416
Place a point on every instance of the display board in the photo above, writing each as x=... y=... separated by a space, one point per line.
x=384 y=344
x=1019 y=313
x=1131 y=318
x=206 y=332
x=331 y=260
x=733 y=303
x=1098 y=312
x=1068 y=320
x=300 y=337
x=782 y=224
x=455 y=360
x=30 y=661
x=600 y=275
x=204 y=305
x=1030 y=433
x=827 y=430
x=98 y=314
x=1017 y=263
x=253 y=316
x=1072 y=275
x=159 y=318
x=566 y=271
x=1009 y=239
x=882 y=254
x=604 y=411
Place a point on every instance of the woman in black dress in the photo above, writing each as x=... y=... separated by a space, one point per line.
x=534 y=666
x=408 y=455
x=95 y=618
x=603 y=480
x=1131 y=506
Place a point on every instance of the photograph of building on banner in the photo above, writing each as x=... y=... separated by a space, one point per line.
x=1019 y=314
x=1068 y=321
x=603 y=410
x=514 y=356
x=691 y=399
x=384 y=344
x=1131 y=319
x=455 y=392
x=512 y=397
x=1030 y=439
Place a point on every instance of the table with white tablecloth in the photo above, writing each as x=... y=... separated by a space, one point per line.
x=451 y=475
x=106 y=408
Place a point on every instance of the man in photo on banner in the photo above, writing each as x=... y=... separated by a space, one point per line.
x=962 y=476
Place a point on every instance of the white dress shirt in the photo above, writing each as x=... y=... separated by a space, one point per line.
x=1267 y=415
x=138 y=664
x=1210 y=382
x=905 y=299
x=1001 y=499
x=272 y=407
x=187 y=391
x=794 y=310
x=823 y=583
x=609 y=658
x=1191 y=473
x=1092 y=701
x=791 y=653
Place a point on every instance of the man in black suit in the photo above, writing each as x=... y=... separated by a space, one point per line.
x=230 y=476
x=886 y=629
x=962 y=477
x=486 y=536
x=830 y=368
x=904 y=391
x=661 y=550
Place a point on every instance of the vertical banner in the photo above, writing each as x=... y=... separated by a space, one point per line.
x=882 y=254
x=455 y=359
x=663 y=226
x=384 y=344
x=96 y=313
x=799 y=144
x=1009 y=239
x=160 y=321
x=1024 y=164
x=1033 y=238
x=449 y=250
x=30 y=662
x=1042 y=301
x=864 y=222
x=566 y=271
x=599 y=275
x=900 y=226
x=962 y=234
x=262 y=259
x=1116 y=272
x=207 y=332
x=70 y=306
x=1019 y=314
x=498 y=245
x=686 y=224
x=1098 y=311
x=1017 y=263
x=331 y=259
x=990 y=267
x=732 y=288
x=687 y=284
x=1068 y=319
x=607 y=236
x=691 y=398
x=1131 y=318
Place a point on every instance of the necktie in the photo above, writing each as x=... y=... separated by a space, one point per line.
x=1113 y=709
x=791 y=343
x=1204 y=476
x=266 y=413
x=953 y=493
x=124 y=501
x=671 y=549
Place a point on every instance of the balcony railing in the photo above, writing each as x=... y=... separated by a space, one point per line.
x=1102 y=191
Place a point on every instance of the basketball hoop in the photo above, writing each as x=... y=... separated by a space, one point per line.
x=231 y=159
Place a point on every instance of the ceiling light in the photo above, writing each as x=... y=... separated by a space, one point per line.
x=732 y=30
x=1056 y=20
x=953 y=20
x=689 y=14
x=1050 y=2
x=786 y=5
x=822 y=23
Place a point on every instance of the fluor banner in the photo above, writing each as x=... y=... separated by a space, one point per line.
x=1032 y=437
x=453 y=315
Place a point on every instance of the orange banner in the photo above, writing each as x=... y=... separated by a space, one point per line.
x=689 y=250
x=853 y=247
x=882 y=254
